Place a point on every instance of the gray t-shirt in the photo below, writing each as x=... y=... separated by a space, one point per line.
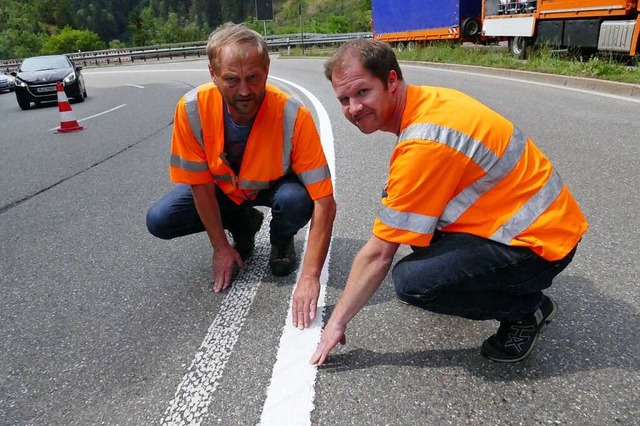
x=235 y=140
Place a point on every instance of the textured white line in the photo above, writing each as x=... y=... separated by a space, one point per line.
x=135 y=85
x=195 y=392
x=292 y=389
x=95 y=115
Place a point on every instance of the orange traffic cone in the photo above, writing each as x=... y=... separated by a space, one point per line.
x=67 y=122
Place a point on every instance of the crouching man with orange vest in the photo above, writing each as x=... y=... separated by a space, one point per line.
x=237 y=143
x=488 y=217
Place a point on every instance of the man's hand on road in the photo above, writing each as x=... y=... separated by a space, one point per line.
x=331 y=336
x=223 y=262
x=305 y=301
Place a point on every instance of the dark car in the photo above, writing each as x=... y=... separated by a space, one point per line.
x=6 y=83
x=36 y=80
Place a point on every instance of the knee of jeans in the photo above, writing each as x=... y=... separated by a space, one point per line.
x=400 y=279
x=425 y=300
x=295 y=201
x=411 y=289
x=155 y=221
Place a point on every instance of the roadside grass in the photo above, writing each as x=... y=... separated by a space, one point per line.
x=539 y=60
x=542 y=60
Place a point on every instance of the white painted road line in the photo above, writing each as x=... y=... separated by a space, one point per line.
x=292 y=389
x=135 y=85
x=95 y=115
x=537 y=83
x=195 y=392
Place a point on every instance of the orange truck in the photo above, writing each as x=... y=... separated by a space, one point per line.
x=587 y=26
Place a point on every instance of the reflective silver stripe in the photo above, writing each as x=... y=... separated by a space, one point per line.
x=413 y=222
x=314 y=176
x=224 y=178
x=189 y=166
x=289 y=124
x=255 y=184
x=193 y=115
x=454 y=139
x=533 y=208
x=497 y=171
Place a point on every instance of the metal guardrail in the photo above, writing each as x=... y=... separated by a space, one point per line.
x=184 y=50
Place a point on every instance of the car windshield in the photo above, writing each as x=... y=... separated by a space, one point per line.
x=44 y=63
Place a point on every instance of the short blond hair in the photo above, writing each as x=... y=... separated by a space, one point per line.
x=230 y=34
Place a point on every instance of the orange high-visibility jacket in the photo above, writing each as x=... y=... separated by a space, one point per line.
x=460 y=167
x=283 y=139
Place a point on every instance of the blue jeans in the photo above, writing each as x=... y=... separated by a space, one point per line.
x=475 y=278
x=175 y=214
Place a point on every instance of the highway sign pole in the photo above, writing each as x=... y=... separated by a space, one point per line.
x=301 y=27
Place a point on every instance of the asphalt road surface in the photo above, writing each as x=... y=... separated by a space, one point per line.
x=100 y=323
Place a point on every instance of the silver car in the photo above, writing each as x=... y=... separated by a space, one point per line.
x=6 y=83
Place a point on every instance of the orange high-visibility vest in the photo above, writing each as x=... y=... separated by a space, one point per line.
x=283 y=140
x=460 y=167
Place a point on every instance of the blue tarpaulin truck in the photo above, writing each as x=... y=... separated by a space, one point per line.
x=416 y=21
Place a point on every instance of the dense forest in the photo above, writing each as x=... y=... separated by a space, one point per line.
x=31 y=27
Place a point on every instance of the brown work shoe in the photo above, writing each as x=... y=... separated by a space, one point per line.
x=282 y=260
x=244 y=239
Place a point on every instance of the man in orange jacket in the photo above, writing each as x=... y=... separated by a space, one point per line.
x=488 y=217
x=238 y=143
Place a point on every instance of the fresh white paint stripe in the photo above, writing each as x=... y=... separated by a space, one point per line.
x=292 y=389
x=135 y=85
x=96 y=115
x=195 y=392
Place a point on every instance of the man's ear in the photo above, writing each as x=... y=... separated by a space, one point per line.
x=392 y=80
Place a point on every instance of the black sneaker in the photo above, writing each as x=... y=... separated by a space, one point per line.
x=515 y=339
x=244 y=239
x=282 y=260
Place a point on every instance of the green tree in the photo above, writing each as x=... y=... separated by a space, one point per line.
x=21 y=34
x=70 y=40
x=97 y=18
x=27 y=24
x=143 y=27
x=53 y=12
x=176 y=30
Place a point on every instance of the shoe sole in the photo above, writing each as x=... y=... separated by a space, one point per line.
x=552 y=315
x=545 y=321
x=281 y=272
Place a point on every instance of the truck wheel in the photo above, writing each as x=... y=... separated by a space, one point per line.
x=470 y=27
x=518 y=47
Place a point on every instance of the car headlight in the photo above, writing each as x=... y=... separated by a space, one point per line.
x=70 y=78
x=19 y=83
